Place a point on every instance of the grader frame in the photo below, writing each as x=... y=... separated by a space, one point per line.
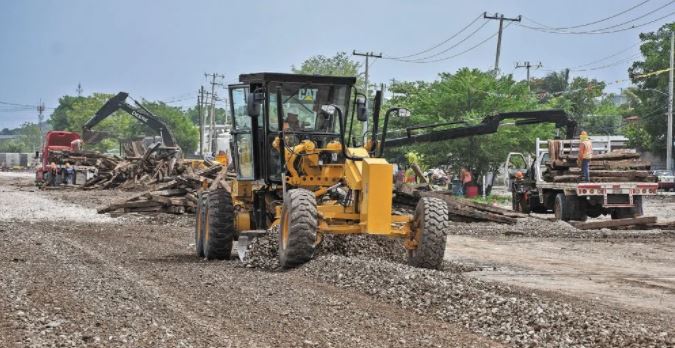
x=295 y=173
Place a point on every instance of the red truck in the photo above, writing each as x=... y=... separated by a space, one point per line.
x=55 y=141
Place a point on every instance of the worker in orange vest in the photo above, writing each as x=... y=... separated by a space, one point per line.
x=585 y=155
x=465 y=176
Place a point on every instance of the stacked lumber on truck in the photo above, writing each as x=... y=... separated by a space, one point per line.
x=463 y=210
x=622 y=165
x=177 y=196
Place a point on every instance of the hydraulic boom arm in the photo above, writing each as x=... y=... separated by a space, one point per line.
x=138 y=111
x=489 y=125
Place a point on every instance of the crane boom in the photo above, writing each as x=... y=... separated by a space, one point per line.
x=138 y=111
x=488 y=125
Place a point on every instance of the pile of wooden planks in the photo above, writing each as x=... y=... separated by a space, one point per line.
x=153 y=167
x=177 y=196
x=615 y=166
x=463 y=210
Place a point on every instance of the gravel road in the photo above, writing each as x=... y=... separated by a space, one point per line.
x=75 y=279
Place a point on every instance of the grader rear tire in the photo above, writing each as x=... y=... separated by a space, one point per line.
x=430 y=233
x=219 y=225
x=200 y=217
x=297 y=232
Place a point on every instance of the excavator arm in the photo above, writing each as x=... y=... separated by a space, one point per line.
x=138 y=111
x=488 y=125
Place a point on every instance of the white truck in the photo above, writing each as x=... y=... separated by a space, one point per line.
x=617 y=193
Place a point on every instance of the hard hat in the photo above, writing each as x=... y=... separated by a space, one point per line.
x=519 y=174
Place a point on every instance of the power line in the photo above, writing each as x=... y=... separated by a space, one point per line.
x=604 y=30
x=447 y=49
x=607 y=57
x=462 y=52
x=439 y=44
x=544 y=26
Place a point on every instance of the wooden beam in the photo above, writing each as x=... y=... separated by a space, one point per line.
x=594 y=225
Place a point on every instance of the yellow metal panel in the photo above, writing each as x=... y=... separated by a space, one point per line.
x=353 y=174
x=242 y=221
x=377 y=196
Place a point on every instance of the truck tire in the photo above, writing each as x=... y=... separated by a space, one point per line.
x=578 y=208
x=430 y=229
x=297 y=231
x=219 y=225
x=628 y=213
x=561 y=207
x=524 y=206
x=537 y=207
x=199 y=224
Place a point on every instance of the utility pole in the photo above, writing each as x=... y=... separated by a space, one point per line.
x=79 y=89
x=212 y=126
x=367 y=55
x=669 y=137
x=200 y=100
x=528 y=66
x=501 y=19
x=40 y=109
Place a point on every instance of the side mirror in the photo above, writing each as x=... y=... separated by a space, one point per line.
x=253 y=103
x=37 y=154
x=361 y=110
x=405 y=113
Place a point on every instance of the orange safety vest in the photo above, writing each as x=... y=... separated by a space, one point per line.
x=586 y=149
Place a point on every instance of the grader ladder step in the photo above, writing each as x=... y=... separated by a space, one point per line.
x=245 y=237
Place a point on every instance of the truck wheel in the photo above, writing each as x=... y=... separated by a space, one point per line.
x=628 y=213
x=430 y=233
x=297 y=232
x=524 y=206
x=218 y=225
x=561 y=207
x=199 y=224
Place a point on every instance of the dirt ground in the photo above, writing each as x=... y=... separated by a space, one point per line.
x=71 y=277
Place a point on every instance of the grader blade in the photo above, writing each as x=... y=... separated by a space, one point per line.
x=245 y=238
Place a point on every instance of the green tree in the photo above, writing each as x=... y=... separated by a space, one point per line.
x=652 y=89
x=338 y=65
x=466 y=96
x=186 y=132
x=28 y=139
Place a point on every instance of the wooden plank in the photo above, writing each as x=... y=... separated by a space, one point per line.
x=644 y=220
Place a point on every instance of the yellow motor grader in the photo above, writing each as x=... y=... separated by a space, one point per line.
x=296 y=171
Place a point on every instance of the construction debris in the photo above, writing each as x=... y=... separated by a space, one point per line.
x=177 y=196
x=463 y=210
x=594 y=225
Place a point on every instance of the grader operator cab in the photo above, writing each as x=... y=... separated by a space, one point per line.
x=295 y=173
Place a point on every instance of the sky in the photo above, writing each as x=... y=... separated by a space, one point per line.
x=160 y=50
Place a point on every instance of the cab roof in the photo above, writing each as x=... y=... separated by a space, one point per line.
x=265 y=77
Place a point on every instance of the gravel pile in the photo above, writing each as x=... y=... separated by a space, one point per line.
x=534 y=227
x=263 y=251
x=510 y=315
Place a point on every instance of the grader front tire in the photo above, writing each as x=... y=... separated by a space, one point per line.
x=430 y=233
x=219 y=225
x=297 y=232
